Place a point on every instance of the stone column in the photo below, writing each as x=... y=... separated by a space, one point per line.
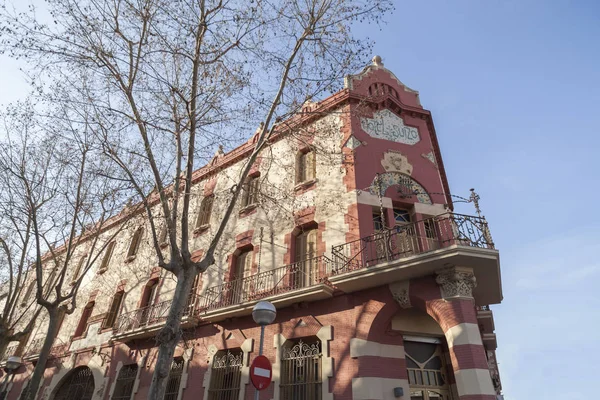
x=456 y=315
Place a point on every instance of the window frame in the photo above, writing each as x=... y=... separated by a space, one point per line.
x=134 y=245
x=306 y=166
x=107 y=257
x=229 y=356
x=300 y=351
x=204 y=212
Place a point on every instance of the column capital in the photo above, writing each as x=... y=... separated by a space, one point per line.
x=456 y=282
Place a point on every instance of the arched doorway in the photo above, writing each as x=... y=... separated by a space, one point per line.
x=77 y=385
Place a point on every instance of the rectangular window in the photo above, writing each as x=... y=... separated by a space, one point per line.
x=306 y=269
x=85 y=316
x=174 y=381
x=113 y=312
x=377 y=221
x=125 y=381
x=226 y=375
x=301 y=370
x=135 y=243
x=205 y=211
x=78 y=269
x=305 y=166
x=250 y=194
x=107 y=255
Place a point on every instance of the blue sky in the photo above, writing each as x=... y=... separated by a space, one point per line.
x=514 y=88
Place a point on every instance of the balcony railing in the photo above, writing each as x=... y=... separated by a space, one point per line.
x=151 y=315
x=294 y=276
x=407 y=240
x=11 y=350
x=35 y=347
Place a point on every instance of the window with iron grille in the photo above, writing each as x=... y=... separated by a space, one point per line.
x=226 y=375
x=79 y=385
x=174 y=379
x=125 y=382
x=426 y=371
x=301 y=370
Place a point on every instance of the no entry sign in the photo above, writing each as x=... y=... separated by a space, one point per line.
x=261 y=372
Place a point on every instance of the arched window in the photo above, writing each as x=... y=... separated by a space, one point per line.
x=204 y=212
x=78 y=385
x=250 y=193
x=107 y=256
x=426 y=370
x=306 y=267
x=226 y=375
x=83 y=321
x=135 y=243
x=125 y=381
x=172 y=391
x=305 y=166
x=113 y=312
x=301 y=372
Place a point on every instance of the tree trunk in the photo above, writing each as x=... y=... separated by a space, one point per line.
x=33 y=386
x=170 y=334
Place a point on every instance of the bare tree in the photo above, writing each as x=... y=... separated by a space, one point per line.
x=169 y=81
x=52 y=195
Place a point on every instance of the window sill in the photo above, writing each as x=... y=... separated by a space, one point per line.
x=249 y=209
x=200 y=230
x=306 y=185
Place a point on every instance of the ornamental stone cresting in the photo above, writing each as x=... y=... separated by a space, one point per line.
x=387 y=125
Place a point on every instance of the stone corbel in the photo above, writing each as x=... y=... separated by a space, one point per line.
x=456 y=282
x=400 y=293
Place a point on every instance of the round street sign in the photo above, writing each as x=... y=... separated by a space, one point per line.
x=261 y=372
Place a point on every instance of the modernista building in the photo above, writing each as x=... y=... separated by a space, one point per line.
x=347 y=227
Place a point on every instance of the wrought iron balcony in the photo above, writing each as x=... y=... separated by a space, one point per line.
x=146 y=320
x=307 y=274
x=267 y=283
x=34 y=348
x=411 y=239
x=11 y=350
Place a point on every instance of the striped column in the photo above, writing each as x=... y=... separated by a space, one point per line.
x=455 y=313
